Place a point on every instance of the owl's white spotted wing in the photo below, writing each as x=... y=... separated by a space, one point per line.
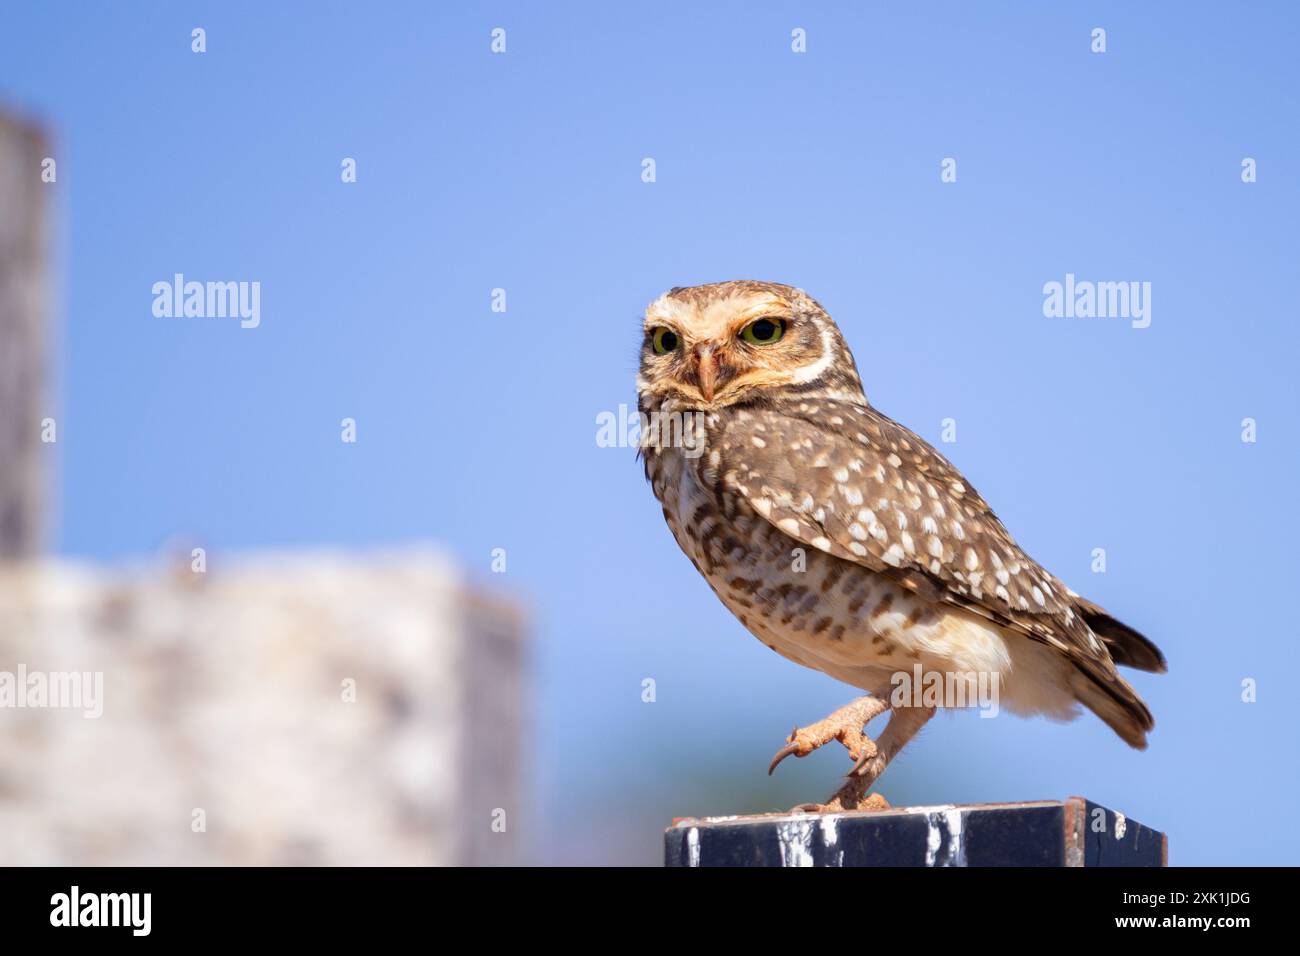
x=845 y=479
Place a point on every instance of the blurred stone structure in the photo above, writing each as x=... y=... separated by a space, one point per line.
x=295 y=709
x=24 y=329
x=302 y=708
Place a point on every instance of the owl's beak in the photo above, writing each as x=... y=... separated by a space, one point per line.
x=706 y=363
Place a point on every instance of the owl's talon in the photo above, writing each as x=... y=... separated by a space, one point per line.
x=781 y=754
x=845 y=725
x=844 y=800
x=791 y=747
x=854 y=801
x=860 y=767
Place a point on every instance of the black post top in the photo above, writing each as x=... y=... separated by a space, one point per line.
x=1073 y=832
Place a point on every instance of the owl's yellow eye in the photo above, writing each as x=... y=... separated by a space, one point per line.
x=664 y=341
x=763 y=332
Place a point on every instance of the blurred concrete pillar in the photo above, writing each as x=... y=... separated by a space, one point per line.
x=310 y=708
x=24 y=306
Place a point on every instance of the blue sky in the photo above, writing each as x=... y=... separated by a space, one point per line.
x=476 y=429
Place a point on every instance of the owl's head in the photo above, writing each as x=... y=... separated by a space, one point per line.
x=710 y=346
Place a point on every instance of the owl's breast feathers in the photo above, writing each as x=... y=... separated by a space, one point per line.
x=848 y=481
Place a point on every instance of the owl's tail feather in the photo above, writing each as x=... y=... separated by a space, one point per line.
x=1126 y=646
x=1115 y=702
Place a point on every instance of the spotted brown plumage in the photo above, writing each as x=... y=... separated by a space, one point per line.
x=841 y=539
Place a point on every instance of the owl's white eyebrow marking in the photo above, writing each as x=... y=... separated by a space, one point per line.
x=810 y=372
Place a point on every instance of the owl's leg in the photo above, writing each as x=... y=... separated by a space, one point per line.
x=845 y=725
x=902 y=727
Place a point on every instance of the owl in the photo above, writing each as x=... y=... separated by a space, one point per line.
x=845 y=543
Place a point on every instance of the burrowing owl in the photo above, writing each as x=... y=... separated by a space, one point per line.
x=843 y=541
